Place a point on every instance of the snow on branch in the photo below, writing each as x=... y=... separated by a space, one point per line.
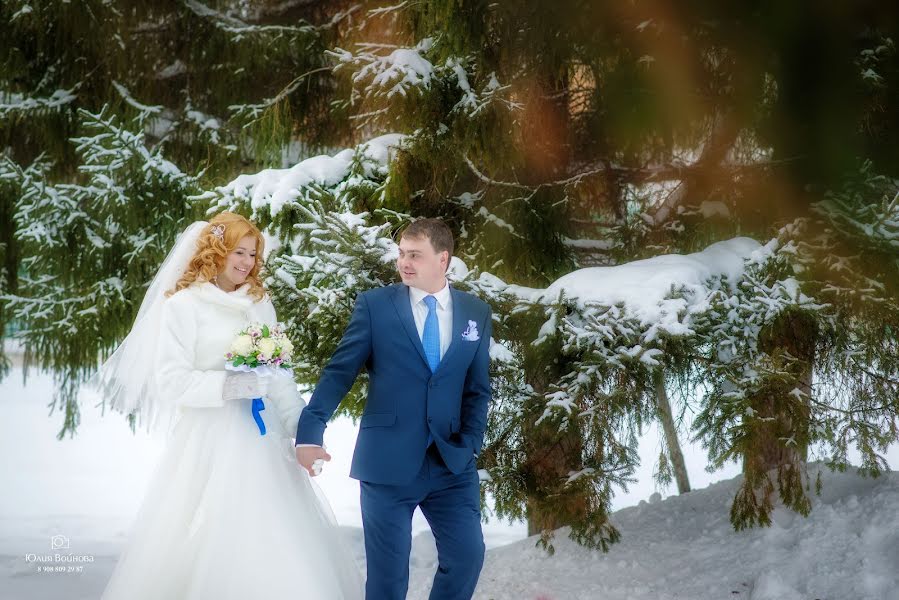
x=396 y=73
x=404 y=71
x=15 y=103
x=231 y=24
x=132 y=102
x=616 y=319
x=273 y=189
x=642 y=286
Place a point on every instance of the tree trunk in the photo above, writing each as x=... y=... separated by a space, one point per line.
x=792 y=334
x=775 y=442
x=722 y=137
x=670 y=430
x=548 y=465
x=551 y=455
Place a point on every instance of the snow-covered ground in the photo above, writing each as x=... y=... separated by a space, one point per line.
x=684 y=547
x=87 y=489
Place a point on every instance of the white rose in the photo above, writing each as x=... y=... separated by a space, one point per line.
x=286 y=346
x=242 y=345
x=267 y=346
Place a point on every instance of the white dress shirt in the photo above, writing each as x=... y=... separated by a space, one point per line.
x=420 y=313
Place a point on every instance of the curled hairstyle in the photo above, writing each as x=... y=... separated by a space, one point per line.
x=209 y=257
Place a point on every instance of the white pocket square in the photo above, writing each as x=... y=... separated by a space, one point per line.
x=471 y=332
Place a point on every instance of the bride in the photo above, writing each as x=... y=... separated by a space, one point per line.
x=228 y=512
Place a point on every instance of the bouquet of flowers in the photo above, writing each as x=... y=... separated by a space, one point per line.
x=261 y=349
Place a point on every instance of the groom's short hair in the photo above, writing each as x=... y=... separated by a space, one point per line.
x=435 y=230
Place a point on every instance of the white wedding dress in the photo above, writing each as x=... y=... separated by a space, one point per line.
x=229 y=514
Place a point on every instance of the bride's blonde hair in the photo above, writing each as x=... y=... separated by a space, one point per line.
x=209 y=257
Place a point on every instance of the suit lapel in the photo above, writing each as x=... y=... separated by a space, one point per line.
x=460 y=319
x=404 y=309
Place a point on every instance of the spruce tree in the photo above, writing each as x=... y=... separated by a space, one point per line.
x=602 y=134
x=554 y=138
x=112 y=114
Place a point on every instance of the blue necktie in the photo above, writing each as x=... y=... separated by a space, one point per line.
x=430 y=339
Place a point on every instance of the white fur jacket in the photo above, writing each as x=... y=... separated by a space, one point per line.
x=198 y=325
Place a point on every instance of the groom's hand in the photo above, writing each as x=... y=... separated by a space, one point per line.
x=307 y=455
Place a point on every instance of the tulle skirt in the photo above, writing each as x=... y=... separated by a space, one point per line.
x=229 y=514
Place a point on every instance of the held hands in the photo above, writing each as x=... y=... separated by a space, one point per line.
x=240 y=385
x=312 y=458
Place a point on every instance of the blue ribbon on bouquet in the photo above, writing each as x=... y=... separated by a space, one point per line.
x=259 y=405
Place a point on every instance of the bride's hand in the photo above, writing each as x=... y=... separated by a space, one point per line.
x=307 y=455
x=240 y=385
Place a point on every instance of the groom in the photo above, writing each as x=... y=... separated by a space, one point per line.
x=425 y=346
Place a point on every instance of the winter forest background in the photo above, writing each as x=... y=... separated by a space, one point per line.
x=684 y=214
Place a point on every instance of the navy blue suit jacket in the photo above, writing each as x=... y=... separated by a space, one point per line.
x=405 y=400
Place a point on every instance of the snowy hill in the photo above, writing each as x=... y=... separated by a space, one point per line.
x=684 y=547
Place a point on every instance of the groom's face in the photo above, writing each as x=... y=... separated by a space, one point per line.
x=420 y=265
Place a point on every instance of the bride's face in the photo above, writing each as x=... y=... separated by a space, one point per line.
x=239 y=262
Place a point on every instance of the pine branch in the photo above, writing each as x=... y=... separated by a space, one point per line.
x=234 y=25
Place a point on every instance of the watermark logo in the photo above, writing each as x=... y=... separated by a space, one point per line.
x=59 y=562
x=59 y=542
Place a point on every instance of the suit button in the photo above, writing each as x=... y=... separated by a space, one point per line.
x=430 y=420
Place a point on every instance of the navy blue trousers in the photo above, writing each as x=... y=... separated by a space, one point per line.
x=451 y=505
